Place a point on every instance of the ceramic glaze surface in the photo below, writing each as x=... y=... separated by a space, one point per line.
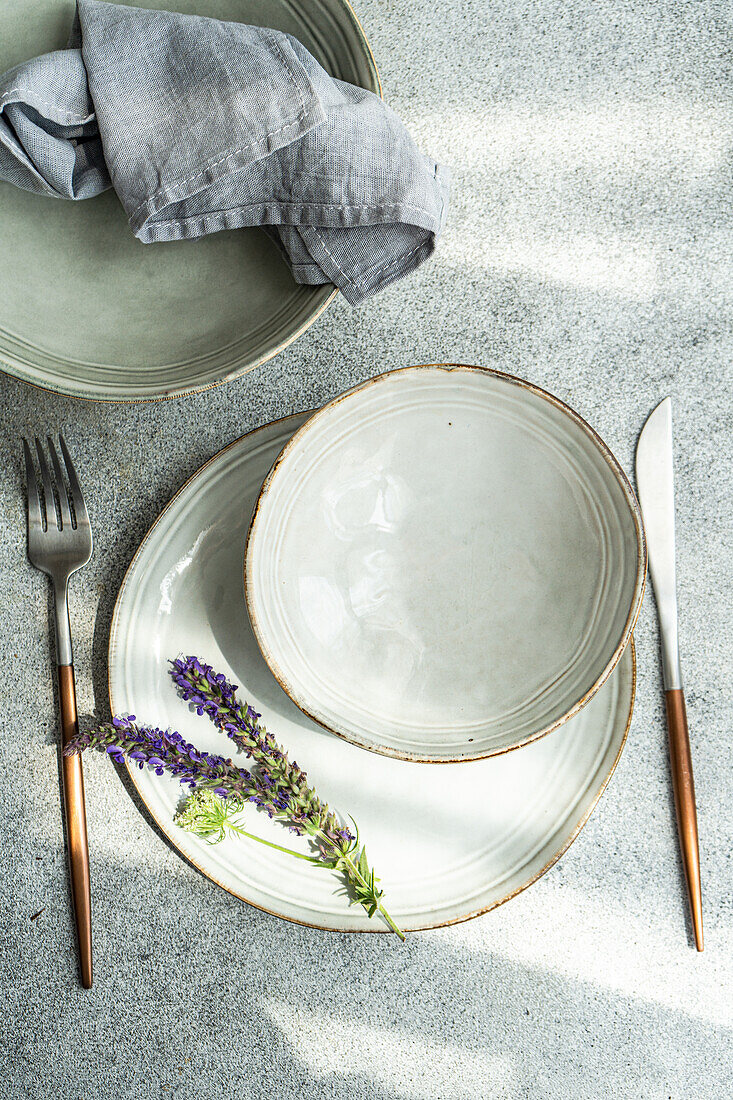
x=86 y=309
x=444 y=563
x=448 y=842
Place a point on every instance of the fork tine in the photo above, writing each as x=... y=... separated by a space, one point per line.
x=63 y=494
x=52 y=515
x=77 y=497
x=35 y=514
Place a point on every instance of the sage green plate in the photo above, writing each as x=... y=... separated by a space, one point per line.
x=87 y=310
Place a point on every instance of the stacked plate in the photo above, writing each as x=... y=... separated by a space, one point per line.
x=442 y=565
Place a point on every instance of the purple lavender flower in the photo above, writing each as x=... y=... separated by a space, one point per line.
x=209 y=693
x=221 y=790
x=166 y=751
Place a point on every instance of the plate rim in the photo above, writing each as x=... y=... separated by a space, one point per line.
x=13 y=367
x=634 y=610
x=113 y=646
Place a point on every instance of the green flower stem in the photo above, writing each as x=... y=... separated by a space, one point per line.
x=211 y=818
x=354 y=873
x=271 y=844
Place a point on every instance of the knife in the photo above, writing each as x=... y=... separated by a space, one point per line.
x=655 y=482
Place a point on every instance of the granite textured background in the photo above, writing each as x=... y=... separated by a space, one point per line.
x=589 y=249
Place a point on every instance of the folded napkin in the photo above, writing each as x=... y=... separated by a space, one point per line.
x=201 y=125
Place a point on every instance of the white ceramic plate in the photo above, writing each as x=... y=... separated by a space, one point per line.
x=444 y=564
x=448 y=842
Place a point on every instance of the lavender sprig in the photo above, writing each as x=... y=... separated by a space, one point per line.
x=166 y=751
x=210 y=694
x=221 y=790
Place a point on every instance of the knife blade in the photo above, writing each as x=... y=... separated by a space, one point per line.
x=655 y=483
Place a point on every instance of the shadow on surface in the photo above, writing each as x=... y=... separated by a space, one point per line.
x=235 y=997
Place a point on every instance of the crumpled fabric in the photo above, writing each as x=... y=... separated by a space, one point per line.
x=202 y=125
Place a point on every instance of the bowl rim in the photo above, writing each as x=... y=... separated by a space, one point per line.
x=617 y=472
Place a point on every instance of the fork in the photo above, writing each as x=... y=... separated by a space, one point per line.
x=59 y=543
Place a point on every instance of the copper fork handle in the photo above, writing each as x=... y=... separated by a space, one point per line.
x=684 y=798
x=76 y=824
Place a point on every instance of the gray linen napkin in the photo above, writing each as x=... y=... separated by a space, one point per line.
x=202 y=125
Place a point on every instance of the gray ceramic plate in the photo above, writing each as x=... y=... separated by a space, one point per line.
x=448 y=842
x=86 y=309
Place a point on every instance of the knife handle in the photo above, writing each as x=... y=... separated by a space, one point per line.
x=76 y=824
x=684 y=799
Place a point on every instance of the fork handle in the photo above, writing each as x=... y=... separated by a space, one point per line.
x=683 y=784
x=76 y=824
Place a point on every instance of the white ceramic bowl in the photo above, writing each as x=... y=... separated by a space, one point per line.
x=444 y=563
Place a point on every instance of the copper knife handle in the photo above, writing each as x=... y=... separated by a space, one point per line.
x=684 y=800
x=76 y=824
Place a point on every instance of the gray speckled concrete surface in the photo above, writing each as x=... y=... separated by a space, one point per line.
x=589 y=249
